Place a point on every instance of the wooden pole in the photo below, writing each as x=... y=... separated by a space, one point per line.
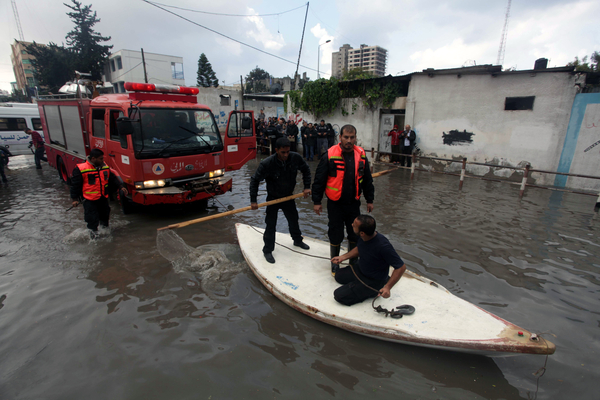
x=242 y=85
x=144 y=62
x=524 y=182
x=225 y=214
x=462 y=173
x=387 y=171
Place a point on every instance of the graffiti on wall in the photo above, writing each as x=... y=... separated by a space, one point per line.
x=297 y=118
x=221 y=119
x=455 y=137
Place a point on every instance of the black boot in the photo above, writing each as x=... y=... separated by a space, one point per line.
x=352 y=245
x=334 y=251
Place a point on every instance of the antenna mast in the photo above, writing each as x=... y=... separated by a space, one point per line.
x=500 y=59
x=17 y=20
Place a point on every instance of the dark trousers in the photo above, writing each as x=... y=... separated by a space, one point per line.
x=408 y=158
x=352 y=290
x=96 y=212
x=322 y=146
x=2 y=170
x=342 y=215
x=330 y=141
x=396 y=150
x=39 y=155
x=293 y=147
x=309 y=151
x=291 y=214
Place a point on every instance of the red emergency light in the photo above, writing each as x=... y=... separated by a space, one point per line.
x=151 y=87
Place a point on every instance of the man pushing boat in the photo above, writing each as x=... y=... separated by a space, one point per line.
x=370 y=276
x=279 y=171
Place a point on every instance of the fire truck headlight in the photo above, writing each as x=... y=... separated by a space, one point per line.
x=150 y=184
x=215 y=173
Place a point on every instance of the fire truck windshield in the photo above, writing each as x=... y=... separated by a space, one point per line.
x=172 y=132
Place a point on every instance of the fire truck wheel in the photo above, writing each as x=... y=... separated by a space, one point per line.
x=62 y=171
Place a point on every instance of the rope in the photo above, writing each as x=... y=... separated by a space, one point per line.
x=540 y=372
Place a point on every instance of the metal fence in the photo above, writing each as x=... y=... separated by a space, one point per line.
x=527 y=170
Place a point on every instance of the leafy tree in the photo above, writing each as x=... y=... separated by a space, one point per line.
x=584 y=66
x=85 y=42
x=356 y=73
x=206 y=75
x=257 y=81
x=52 y=66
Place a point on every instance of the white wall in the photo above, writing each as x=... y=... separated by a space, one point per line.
x=210 y=97
x=475 y=103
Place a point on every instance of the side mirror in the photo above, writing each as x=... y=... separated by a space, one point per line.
x=124 y=126
x=246 y=123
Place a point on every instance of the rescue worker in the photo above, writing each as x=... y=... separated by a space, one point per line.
x=342 y=175
x=90 y=184
x=279 y=171
x=38 y=145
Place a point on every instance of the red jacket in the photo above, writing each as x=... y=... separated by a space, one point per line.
x=395 y=134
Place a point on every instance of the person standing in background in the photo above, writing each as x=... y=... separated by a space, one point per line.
x=38 y=145
x=407 y=142
x=395 y=134
x=322 y=143
x=292 y=135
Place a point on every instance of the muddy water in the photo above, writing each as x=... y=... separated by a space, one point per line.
x=114 y=319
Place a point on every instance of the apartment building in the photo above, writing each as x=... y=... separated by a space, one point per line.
x=372 y=59
x=21 y=63
x=126 y=66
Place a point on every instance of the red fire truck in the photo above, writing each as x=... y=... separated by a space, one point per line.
x=165 y=146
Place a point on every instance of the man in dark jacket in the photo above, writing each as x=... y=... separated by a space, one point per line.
x=407 y=143
x=292 y=135
x=272 y=135
x=279 y=171
x=322 y=141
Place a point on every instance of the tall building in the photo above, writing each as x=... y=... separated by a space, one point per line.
x=370 y=58
x=126 y=66
x=21 y=62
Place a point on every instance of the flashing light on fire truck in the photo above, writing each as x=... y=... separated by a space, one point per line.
x=150 y=184
x=152 y=87
x=216 y=173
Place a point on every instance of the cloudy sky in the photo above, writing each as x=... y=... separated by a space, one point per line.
x=417 y=34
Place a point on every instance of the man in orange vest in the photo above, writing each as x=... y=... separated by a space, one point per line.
x=342 y=176
x=90 y=185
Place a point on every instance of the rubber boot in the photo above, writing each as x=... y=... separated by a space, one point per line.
x=334 y=251
x=352 y=245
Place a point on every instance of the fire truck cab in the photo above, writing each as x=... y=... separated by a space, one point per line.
x=165 y=146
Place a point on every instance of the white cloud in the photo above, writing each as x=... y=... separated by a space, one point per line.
x=451 y=55
x=326 y=48
x=261 y=33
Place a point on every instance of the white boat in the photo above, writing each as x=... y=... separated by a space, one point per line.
x=441 y=320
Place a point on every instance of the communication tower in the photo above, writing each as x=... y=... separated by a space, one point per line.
x=17 y=20
x=502 y=48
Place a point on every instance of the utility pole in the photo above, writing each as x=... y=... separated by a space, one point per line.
x=296 y=76
x=242 y=83
x=144 y=62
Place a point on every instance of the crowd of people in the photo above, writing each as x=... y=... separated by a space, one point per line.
x=315 y=138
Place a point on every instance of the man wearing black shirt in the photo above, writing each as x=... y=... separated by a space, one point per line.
x=342 y=175
x=279 y=171
x=376 y=256
x=322 y=144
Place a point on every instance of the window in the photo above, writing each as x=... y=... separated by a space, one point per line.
x=26 y=61
x=37 y=123
x=12 y=124
x=98 y=123
x=519 y=103
x=114 y=134
x=225 y=99
x=240 y=124
x=119 y=63
x=177 y=70
x=112 y=65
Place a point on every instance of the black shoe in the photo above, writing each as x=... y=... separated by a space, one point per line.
x=269 y=257
x=302 y=245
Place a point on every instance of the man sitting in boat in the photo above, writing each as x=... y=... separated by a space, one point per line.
x=370 y=277
x=279 y=171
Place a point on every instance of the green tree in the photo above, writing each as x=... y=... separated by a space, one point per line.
x=53 y=65
x=206 y=75
x=584 y=66
x=257 y=81
x=355 y=74
x=85 y=42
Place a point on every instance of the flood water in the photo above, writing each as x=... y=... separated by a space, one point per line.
x=114 y=319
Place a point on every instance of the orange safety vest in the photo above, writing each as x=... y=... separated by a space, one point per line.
x=335 y=180
x=95 y=181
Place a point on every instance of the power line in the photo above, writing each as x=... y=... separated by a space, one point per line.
x=225 y=36
x=226 y=15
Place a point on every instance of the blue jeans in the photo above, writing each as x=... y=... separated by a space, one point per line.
x=309 y=151
x=322 y=146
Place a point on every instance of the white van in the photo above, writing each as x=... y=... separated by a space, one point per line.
x=14 y=117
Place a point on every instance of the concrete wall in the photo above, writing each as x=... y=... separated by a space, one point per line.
x=581 y=148
x=211 y=97
x=472 y=106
